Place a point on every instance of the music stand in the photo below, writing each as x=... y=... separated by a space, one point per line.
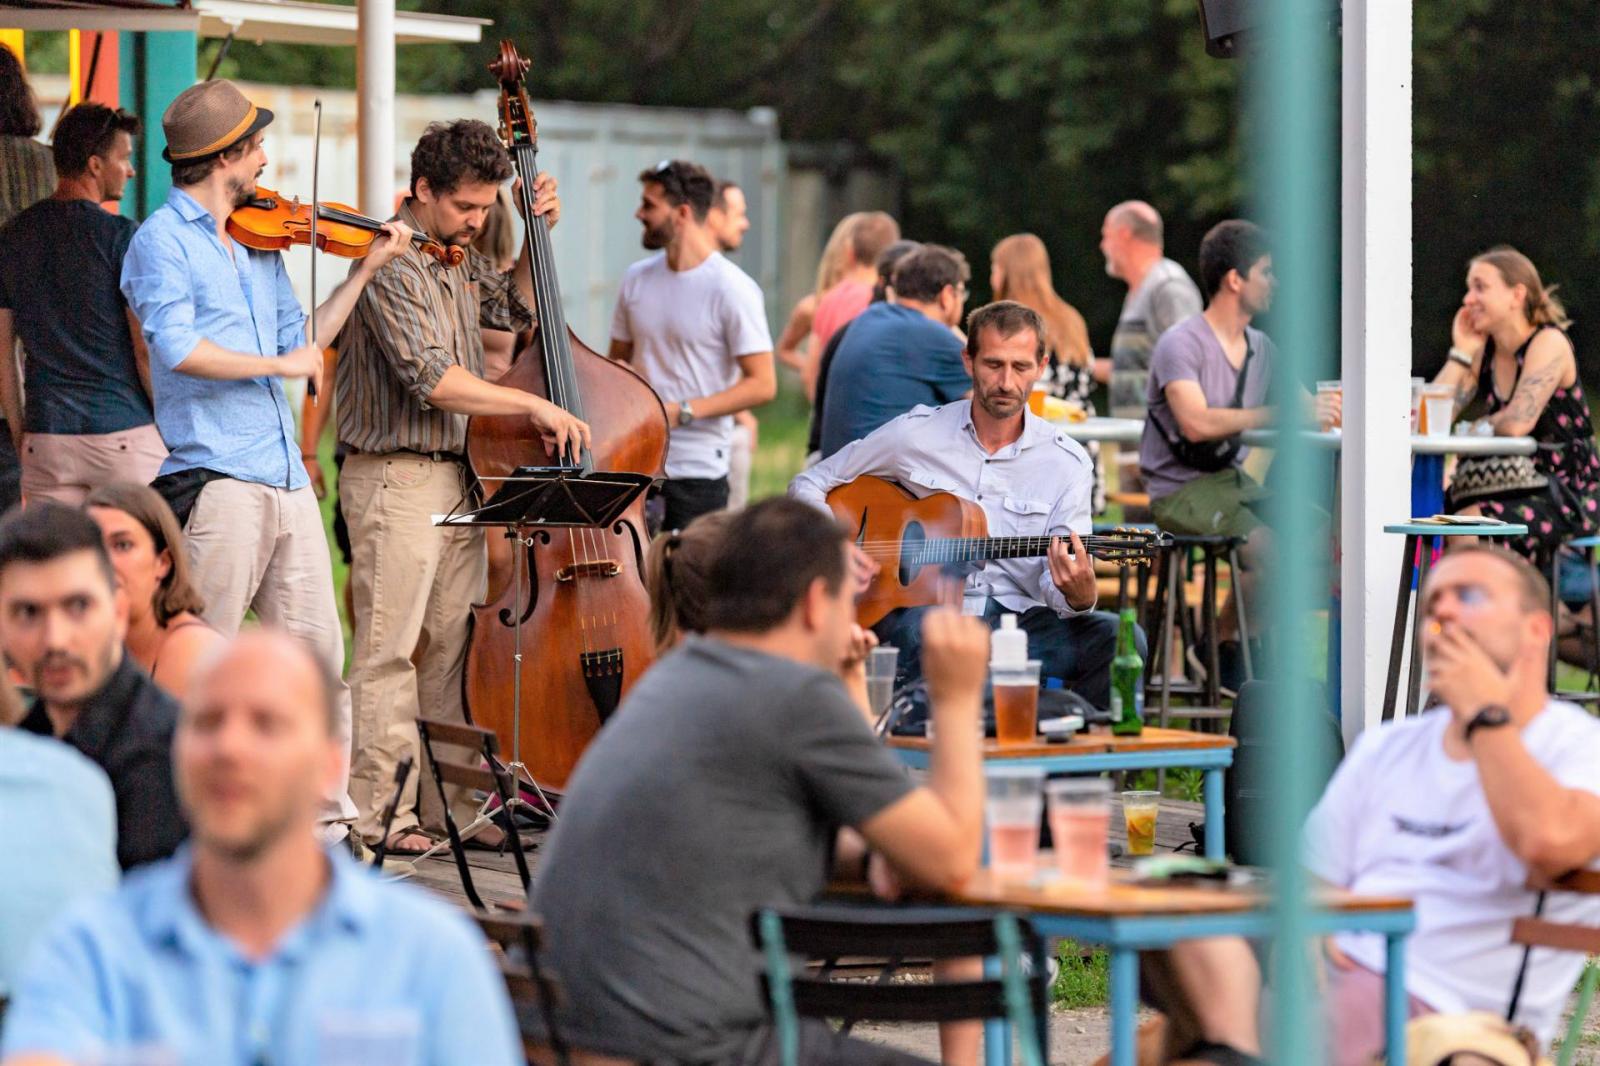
x=543 y=497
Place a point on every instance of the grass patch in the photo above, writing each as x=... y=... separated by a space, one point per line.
x=1084 y=977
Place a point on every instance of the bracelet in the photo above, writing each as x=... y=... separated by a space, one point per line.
x=1456 y=355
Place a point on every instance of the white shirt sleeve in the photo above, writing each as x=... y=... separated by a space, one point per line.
x=1329 y=845
x=621 y=330
x=745 y=319
x=1073 y=514
x=878 y=454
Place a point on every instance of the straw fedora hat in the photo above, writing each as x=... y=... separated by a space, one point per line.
x=207 y=118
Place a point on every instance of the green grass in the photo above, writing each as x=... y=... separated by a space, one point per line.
x=781 y=443
x=1083 y=980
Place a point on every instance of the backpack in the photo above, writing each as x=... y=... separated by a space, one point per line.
x=1246 y=786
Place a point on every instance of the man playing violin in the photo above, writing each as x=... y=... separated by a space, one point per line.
x=221 y=323
x=1029 y=478
x=410 y=373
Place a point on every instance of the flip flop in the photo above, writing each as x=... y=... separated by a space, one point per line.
x=391 y=847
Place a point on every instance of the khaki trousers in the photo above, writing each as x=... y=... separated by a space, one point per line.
x=66 y=467
x=263 y=548
x=414 y=584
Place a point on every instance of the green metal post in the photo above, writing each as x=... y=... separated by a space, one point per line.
x=155 y=67
x=1291 y=89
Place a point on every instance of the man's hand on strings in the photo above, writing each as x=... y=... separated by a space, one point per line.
x=565 y=435
x=1073 y=573
x=545 y=200
x=863 y=568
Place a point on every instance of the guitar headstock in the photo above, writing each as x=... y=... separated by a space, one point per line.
x=1127 y=544
x=517 y=124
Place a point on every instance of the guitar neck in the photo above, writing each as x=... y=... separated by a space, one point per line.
x=984 y=549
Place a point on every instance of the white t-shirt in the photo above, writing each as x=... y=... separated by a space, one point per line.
x=688 y=329
x=1402 y=818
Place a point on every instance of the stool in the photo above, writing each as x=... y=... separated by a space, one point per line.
x=1170 y=607
x=1413 y=573
x=1587 y=546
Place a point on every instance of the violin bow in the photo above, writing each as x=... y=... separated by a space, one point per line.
x=316 y=151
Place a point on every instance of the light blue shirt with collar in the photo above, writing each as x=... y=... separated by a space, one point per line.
x=378 y=972
x=186 y=285
x=1038 y=485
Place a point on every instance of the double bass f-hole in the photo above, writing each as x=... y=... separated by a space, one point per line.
x=524 y=545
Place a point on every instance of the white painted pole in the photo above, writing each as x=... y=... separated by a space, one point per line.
x=1376 y=315
x=375 y=105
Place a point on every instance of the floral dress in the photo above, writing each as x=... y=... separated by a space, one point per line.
x=1076 y=383
x=1570 y=507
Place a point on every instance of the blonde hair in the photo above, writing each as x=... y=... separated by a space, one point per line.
x=675 y=577
x=830 y=268
x=498 y=237
x=1542 y=307
x=1025 y=278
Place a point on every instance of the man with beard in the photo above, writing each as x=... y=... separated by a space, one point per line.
x=695 y=327
x=88 y=418
x=221 y=323
x=410 y=373
x=255 y=945
x=729 y=220
x=1031 y=480
x=62 y=621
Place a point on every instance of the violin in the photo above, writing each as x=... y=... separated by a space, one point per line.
x=271 y=223
x=581 y=595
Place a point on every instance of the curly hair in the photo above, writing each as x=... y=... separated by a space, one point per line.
x=450 y=154
x=19 y=114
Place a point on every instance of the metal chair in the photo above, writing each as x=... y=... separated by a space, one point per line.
x=1539 y=932
x=833 y=932
x=485 y=773
x=401 y=774
x=1170 y=607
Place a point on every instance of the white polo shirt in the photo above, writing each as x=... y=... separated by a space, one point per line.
x=688 y=329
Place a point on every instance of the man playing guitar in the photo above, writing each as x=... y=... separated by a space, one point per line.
x=1029 y=478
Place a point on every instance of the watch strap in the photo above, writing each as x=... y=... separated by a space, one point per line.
x=1490 y=716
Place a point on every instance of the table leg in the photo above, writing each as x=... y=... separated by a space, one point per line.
x=1395 y=1001
x=996 y=1031
x=1215 y=846
x=1397 y=641
x=1124 y=980
x=1414 y=681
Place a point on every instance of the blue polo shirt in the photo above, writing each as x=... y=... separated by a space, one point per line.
x=379 y=972
x=185 y=286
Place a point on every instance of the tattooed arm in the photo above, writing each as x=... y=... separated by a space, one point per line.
x=1549 y=362
x=1464 y=379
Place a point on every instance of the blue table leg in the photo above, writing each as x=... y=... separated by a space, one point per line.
x=1215 y=845
x=1124 y=980
x=996 y=1031
x=1395 y=1000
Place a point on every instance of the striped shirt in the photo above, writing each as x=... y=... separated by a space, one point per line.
x=27 y=175
x=414 y=320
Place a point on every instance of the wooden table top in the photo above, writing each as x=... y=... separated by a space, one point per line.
x=1152 y=739
x=1123 y=898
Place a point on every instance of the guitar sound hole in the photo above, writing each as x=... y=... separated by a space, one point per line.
x=910 y=547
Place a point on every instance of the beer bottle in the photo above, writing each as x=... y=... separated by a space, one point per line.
x=1127 y=681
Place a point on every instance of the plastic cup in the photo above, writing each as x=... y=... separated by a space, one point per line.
x=1016 y=703
x=1438 y=408
x=1037 y=396
x=1012 y=810
x=1080 y=825
x=1416 y=404
x=1139 y=812
x=1335 y=388
x=881 y=663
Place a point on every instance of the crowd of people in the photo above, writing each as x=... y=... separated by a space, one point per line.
x=230 y=772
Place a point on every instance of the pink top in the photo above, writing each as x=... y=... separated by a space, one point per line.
x=838 y=305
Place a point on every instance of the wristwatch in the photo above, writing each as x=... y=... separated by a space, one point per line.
x=1489 y=716
x=685 y=413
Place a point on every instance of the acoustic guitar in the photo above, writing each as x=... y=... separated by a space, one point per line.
x=919 y=542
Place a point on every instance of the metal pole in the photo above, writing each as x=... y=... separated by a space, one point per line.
x=375 y=105
x=1291 y=93
x=1376 y=301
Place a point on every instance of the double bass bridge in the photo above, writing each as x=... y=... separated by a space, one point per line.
x=589 y=568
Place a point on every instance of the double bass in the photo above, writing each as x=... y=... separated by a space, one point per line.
x=578 y=595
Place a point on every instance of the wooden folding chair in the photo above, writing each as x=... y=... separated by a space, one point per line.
x=530 y=986
x=402 y=773
x=485 y=773
x=1539 y=932
x=832 y=932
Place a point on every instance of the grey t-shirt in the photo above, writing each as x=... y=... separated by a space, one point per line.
x=1190 y=351
x=715 y=789
x=1164 y=298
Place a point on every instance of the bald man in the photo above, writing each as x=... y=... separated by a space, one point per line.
x=253 y=944
x=1160 y=295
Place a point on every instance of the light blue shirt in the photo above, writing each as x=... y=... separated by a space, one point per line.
x=1038 y=485
x=58 y=830
x=379 y=972
x=185 y=286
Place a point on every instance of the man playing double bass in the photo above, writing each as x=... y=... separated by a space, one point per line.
x=409 y=375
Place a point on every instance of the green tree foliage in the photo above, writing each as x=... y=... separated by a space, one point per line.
x=1039 y=114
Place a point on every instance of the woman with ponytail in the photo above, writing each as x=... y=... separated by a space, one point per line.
x=1510 y=346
